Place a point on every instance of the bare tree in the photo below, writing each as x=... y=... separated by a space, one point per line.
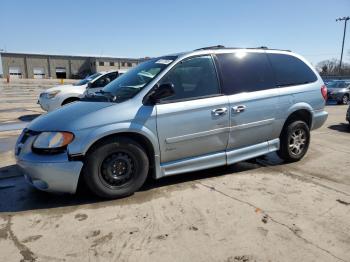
x=328 y=67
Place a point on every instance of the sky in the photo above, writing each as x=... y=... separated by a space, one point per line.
x=136 y=28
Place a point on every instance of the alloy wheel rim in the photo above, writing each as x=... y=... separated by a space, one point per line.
x=297 y=142
x=345 y=100
x=117 y=170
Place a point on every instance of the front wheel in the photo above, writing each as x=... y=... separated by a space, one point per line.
x=116 y=168
x=294 y=141
x=345 y=99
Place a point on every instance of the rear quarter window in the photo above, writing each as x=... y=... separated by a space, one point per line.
x=245 y=72
x=290 y=70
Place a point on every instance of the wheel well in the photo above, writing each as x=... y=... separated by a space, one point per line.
x=69 y=100
x=140 y=139
x=301 y=114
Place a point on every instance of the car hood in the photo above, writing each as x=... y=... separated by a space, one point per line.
x=63 y=88
x=74 y=116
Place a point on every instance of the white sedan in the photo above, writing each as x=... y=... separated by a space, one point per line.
x=57 y=96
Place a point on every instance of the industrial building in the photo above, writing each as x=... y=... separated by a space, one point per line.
x=20 y=65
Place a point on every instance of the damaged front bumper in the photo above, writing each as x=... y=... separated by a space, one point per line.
x=52 y=173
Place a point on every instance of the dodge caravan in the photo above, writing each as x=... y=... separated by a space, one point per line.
x=174 y=114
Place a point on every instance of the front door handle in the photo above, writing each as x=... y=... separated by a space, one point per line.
x=239 y=109
x=219 y=111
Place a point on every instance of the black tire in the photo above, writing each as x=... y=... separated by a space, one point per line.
x=116 y=168
x=345 y=99
x=292 y=137
x=70 y=100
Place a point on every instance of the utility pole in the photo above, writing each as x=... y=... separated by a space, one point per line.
x=345 y=19
x=1 y=69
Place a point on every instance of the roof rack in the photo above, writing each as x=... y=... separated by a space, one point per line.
x=211 y=47
x=224 y=47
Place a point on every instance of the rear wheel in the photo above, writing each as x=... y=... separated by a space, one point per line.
x=294 y=141
x=116 y=168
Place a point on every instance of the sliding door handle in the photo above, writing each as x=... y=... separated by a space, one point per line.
x=239 y=109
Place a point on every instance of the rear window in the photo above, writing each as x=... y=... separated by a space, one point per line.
x=290 y=70
x=245 y=72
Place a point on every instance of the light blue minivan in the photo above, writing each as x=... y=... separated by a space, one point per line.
x=175 y=114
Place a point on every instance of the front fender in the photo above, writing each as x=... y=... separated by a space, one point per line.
x=70 y=95
x=86 y=138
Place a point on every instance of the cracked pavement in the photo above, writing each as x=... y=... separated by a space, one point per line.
x=258 y=210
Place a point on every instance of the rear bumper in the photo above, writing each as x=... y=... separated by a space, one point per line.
x=318 y=119
x=59 y=177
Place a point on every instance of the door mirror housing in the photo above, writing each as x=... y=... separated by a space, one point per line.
x=159 y=92
x=89 y=85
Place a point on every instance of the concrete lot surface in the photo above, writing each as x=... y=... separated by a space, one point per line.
x=259 y=210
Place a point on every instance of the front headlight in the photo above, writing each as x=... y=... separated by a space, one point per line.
x=52 y=94
x=52 y=141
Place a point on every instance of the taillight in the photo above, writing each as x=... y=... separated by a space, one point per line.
x=324 y=92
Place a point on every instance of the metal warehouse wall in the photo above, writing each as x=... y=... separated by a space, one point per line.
x=74 y=66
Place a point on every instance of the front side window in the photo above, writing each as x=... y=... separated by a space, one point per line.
x=105 y=80
x=192 y=78
x=290 y=70
x=134 y=80
x=245 y=72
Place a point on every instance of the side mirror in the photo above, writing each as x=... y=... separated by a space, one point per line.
x=89 y=85
x=159 y=92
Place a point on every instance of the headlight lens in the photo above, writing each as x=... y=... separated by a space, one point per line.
x=52 y=94
x=53 y=140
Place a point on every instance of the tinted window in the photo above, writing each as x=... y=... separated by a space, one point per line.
x=245 y=72
x=290 y=70
x=194 y=77
x=113 y=75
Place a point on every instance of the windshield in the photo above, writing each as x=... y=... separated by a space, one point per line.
x=133 y=81
x=87 y=79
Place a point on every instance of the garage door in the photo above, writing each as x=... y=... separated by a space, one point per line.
x=15 y=72
x=38 y=72
x=61 y=72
